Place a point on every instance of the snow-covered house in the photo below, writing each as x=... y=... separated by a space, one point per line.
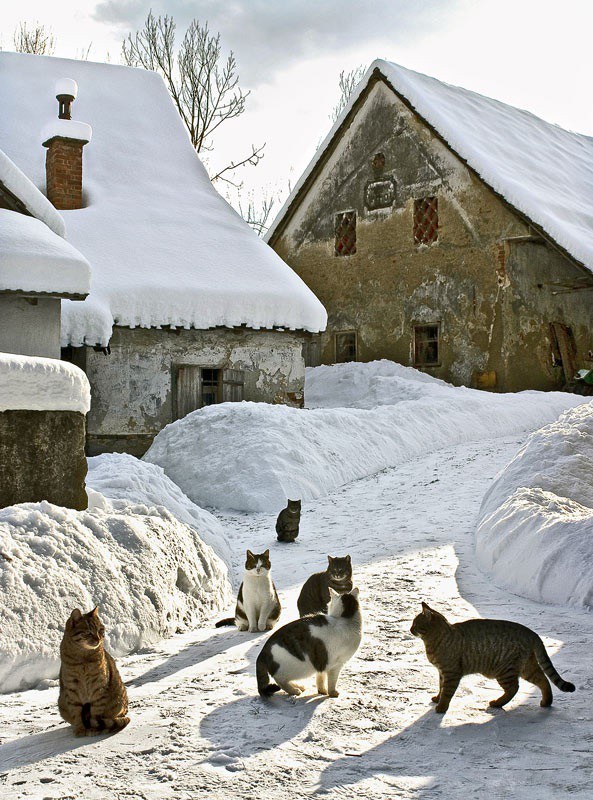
x=187 y=306
x=447 y=231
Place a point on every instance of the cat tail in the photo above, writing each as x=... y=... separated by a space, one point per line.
x=100 y=723
x=543 y=659
x=227 y=621
x=264 y=687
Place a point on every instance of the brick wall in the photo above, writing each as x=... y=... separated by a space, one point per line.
x=63 y=169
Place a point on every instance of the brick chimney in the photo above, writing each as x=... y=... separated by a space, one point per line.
x=64 y=139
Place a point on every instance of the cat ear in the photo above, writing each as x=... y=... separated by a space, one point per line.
x=249 y=554
x=426 y=610
x=330 y=559
x=76 y=615
x=266 y=554
x=94 y=612
x=332 y=593
x=354 y=592
x=348 y=559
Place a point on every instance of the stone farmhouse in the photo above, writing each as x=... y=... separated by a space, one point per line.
x=447 y=231
x=187 y=306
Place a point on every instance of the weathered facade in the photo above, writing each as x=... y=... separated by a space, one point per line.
x=418 y=260
x=159 y=376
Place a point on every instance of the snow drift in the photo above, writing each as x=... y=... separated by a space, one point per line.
x=535 y=528
x=252 y=457
x=150 y=574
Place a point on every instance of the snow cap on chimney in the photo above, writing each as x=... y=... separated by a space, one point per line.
x=66 y=91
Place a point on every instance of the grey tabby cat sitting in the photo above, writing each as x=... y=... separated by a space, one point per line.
x=287 y=524
x=315 y=594
x=494 y=648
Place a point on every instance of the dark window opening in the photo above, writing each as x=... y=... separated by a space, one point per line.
x=196 y=387
x=345 y=347
x=345 y=227
x=426 y=220
x=210 y=387
x=426 y=345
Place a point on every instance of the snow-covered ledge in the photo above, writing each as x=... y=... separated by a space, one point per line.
x=43 y=406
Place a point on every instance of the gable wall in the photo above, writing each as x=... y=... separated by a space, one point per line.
x=480 y=281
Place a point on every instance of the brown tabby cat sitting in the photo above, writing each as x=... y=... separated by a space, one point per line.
x=494 y=648
x=315 y=595
x=92 y=697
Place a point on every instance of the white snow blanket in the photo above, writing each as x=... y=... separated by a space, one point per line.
x=252 y=456
x=35 y=259
x=150 y=574
x=119 y=476
x=544 y=171
x=34 y=201
x=42 y=384
x=165 y=247
x=535 y=529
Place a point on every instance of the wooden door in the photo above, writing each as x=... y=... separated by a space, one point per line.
x=186 y=390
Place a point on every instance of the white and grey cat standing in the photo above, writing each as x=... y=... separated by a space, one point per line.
x=258 y=607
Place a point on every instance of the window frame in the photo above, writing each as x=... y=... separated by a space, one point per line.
x=419 y=232
x=339 y=218
x=415 y=356
x=345 y=333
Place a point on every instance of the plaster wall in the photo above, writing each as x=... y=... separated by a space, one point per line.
x=132 y=387
x=30 y=326
x=486 y=280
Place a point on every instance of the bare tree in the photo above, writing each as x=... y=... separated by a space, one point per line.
x=35 y=39
x=205 y=90
x=347 y=83
x=257 y=214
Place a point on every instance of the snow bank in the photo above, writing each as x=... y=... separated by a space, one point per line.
x=36 y=203
x=542 y=170
x=119 y=476
x=42 y=384
x=252 y=456
x=166 y=248
x=150 y=574
x=34 y=259
x=535 y=527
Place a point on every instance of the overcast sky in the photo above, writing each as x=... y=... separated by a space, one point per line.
x=535 y=54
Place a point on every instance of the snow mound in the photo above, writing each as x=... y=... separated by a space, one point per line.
x=150 y=574
x=42 y=384
x=253 y=456
x=119 y=476
x=535 y=528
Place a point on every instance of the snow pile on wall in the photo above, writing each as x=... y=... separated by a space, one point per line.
x=252 y=456
x=119 y=476
x=535 y=528
x=165 y=247
x=34 y=259
x=149 y=573
x=42 y=384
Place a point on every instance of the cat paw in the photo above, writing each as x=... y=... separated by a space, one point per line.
x=435 y=699
x=334 y=693
x=441 y=709
x=252 y=629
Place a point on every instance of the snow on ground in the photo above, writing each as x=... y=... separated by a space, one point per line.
x=119 y=476
x=281 y=452
x=535 y=532
x=150 y=574
x=199 y=730
x=42 y=384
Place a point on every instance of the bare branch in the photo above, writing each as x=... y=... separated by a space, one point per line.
x=35 y=39
x=256 y=155
x=347 y=83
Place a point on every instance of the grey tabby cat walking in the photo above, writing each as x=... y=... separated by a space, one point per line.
x=287 y=524
x=93 y=698
x=494 y=648
x=314 y=596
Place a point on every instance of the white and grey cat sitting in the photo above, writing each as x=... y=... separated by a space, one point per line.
x=258 y=607
x=287 y=524
x=317 y=645
x=314 y=596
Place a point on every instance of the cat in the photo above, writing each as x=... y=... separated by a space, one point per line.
x=317 y=645
x=314 y=596
x=258 y=607
x=287 y=524
x=93 y=698
x=494 y=648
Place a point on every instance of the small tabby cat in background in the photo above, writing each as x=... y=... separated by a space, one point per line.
x=494 y=648
x=314 y=596
x=93 y=698
x=287 y=524
x=258 y=607
x=317 y=645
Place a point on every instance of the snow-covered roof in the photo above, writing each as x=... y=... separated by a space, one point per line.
x=36 y=203
x=34 y=259
x=166 y=249
x=542 y=170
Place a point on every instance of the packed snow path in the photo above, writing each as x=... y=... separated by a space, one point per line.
x=199 y=729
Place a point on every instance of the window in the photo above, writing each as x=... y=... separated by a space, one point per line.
x=345 y=226
x=426 y=220
x=196 y=387
x=345 y=347
x=426 y=345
